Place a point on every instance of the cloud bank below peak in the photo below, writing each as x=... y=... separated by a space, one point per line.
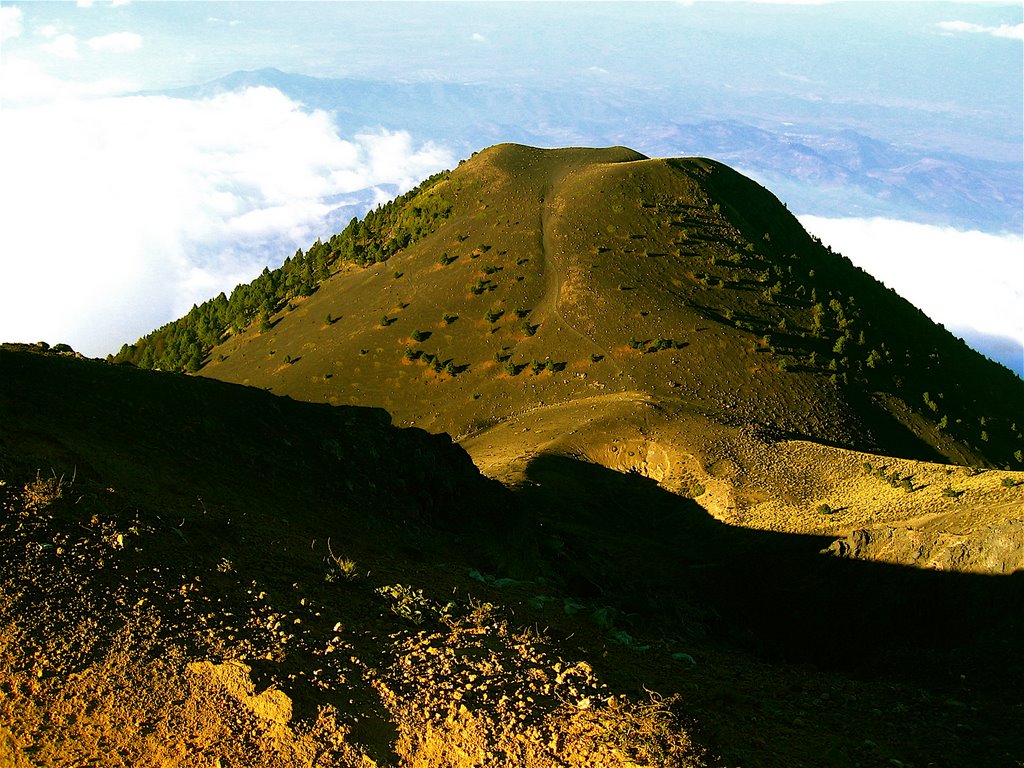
x=165 y=202
x=972 y=282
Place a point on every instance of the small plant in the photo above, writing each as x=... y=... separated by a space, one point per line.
x=635 y=344
x=420 y=335
x=340 y=567
x=225 y=566
x=825 y=509
x=444 y=260
x=396 y=274
x=42 y=492
x=528 y=328
x=595 y=358
x=385 y=321
x=511 y=368
x=949 y=493
x=480 y=614
x=448 y=319
x=493 y=315
x=413 y=354
x=1009 y=482
x=490 y=269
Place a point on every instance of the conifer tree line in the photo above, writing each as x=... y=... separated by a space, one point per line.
x=184 y=344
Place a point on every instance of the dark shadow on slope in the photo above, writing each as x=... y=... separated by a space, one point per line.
x=663 y=561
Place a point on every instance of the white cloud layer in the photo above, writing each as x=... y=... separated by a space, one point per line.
x=1012 y=31
x=62 y=46
x=968 y=281
x=10 y=23
x=120 y=213
x=116 y=42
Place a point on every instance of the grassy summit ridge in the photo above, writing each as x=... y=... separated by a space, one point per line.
x=555 y=276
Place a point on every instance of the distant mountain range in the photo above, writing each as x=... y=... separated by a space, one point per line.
x=815 y=167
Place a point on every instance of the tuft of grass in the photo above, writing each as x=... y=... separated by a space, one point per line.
x=42 y=492
x=339 y=567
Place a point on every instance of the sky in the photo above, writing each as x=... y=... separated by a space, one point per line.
x=127 y=195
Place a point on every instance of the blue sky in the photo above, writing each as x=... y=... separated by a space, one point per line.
x=128 y=194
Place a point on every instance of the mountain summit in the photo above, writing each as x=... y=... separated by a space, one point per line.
x=665 y=317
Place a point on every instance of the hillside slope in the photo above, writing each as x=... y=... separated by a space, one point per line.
x=663 y=317
x=197 y=573
x=560 y=275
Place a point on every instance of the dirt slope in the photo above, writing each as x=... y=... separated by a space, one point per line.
x=197 y=573
x=664 y=317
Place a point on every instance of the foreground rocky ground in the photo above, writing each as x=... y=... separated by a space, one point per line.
x=199 y=574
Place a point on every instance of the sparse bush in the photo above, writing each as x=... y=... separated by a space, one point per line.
x=527 y=328
x=42 y=492
x=494 y=315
